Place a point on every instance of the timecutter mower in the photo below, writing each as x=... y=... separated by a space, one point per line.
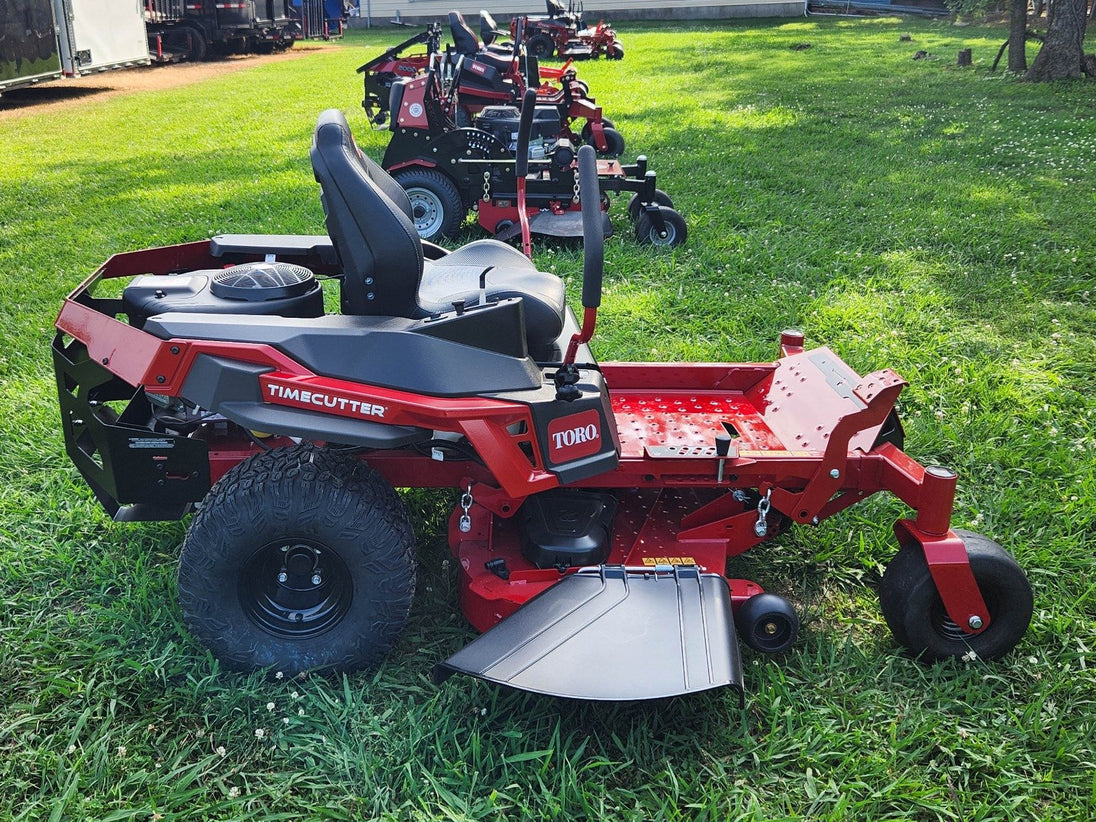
x=598 y=502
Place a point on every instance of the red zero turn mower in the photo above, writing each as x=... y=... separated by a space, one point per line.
x=562 y=33
x=599 y=502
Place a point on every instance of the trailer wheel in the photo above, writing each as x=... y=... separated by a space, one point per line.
x=540 y=46
x=915 y=613
x=635 y=204
x=301 y=559
x=674 y=233
x=767 y=623
x=436 y=206
x=196 y=46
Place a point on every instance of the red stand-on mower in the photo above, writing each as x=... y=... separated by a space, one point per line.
x=487 y=75
x=562 y=33
x=473 y=74
x=448 y=171
x=599 y=502
x=384 y=69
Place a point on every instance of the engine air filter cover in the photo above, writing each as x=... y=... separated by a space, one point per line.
x=258 y=282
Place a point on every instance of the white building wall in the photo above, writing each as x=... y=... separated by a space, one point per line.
x=379 y=12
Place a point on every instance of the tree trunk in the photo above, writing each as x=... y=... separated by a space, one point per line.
x=1063 y=50
x=1017 y=45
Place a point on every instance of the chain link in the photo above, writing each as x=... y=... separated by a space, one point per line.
x=761 y=527
x=466 y=501
x=487 y=186
x=578 y=191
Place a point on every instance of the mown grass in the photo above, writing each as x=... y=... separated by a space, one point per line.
x=906 y=213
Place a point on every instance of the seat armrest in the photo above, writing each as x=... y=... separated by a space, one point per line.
x=280 y=245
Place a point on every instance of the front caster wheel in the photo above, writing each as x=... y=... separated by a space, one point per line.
x=673 y=231
x=767 y=623
x=301 y=559
x=635 y=203
x=915 y=613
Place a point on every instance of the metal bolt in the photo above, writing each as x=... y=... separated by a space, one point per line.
x=283 y=576
x=835 y=473
x=160 y=378
x=316 y=579
x=975 y=622
x=174 y=349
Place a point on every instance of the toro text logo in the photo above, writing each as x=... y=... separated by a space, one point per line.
x=574 y=436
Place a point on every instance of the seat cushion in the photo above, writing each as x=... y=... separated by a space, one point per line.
x=456 y=277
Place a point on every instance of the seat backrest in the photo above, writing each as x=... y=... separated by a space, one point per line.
x=369 y=221
x=464 y=39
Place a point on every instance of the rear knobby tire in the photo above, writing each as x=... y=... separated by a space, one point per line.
x=915 y=613
x=300 y=559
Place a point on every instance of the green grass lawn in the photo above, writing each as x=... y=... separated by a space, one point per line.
x=905 y=212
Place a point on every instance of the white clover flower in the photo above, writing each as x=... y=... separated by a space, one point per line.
x=260 y=733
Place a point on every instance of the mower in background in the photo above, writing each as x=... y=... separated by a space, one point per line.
x=562 y=33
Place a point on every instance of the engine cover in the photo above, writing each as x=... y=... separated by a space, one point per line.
x=502 y=123
x=280 y=289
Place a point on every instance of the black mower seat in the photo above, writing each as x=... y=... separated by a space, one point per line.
x=384 y=272
x=467 y=43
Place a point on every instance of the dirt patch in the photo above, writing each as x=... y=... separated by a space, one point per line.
x=59 y=94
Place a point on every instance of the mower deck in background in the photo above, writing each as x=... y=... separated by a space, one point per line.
x=598 y=502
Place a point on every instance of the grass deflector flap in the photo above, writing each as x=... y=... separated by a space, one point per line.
x=613 y=633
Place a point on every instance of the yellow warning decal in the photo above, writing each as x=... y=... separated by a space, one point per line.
x=669 y=561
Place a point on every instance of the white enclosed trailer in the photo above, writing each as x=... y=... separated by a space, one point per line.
x=46 y=39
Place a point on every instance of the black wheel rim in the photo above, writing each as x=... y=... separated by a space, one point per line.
x=296 y=588
x=772 y=632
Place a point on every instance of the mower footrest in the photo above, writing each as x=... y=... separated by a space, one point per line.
x=613 y=633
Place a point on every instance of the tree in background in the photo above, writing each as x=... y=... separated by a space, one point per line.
x=1062 y=55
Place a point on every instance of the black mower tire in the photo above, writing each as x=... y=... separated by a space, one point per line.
x=615 y=51
x=767 y=623
x=676 y=229
x=340 y=530
x=436 y=205
x=540 y=46
x=915 y=614
x=614 y=142
x=635 y=204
